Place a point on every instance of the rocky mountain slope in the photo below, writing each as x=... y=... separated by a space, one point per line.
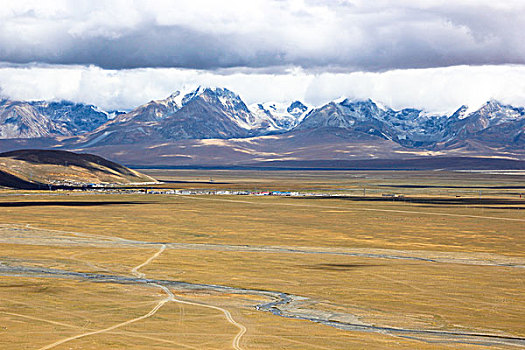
x=44 y=119
x=493 y=123
x=201 y=114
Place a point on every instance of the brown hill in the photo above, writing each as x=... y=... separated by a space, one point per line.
x=32 y=169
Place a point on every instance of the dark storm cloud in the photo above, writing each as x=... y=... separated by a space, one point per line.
x=315 y=35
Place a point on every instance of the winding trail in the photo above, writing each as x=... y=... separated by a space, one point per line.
x=284 y=305
x=242 y=329
x=127 y=334
x=136 y=273
x=170 y=297
x=149 y=314
x=153 y=311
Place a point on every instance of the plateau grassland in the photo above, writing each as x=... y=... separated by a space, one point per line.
x=398 y=260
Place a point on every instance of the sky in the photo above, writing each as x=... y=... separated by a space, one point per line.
x=118 y=54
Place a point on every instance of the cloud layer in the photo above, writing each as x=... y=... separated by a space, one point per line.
x=440 y=90
x=327 y=35
x=117 y=54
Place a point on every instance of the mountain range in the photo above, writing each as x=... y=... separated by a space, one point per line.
x=214 y=126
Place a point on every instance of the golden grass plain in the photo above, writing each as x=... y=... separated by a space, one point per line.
x=406 y=265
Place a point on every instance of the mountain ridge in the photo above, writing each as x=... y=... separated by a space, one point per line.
x=340 y=129
x=43 y=169
x=33 y=119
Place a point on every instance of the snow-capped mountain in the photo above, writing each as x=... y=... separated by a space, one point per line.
x=493 y=122
x=367 y=117
x=336 y=129
x=347 y=114
x=152 y=111
x=209 y=113
x=200 y=114
x=279 y=116
x=203 y=113
x=490 y=115
x=37 y=119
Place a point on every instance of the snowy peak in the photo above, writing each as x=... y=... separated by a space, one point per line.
x=152 y=111
x=366 y=108
x=223 y=101
x=259 y=118
x=228 y=99
x=460 y=113
x=490 y=115
x=22 y=120
x=359 y=117
x=178 y=99
x=344 y=113
x=296 y=109
x=215 y=112
x=281 y=116
x=191 y=95
x=208 y=113
x=497 y=113
x=491 y=106
x=175 y=99
x=493 y=123
x=210 y=95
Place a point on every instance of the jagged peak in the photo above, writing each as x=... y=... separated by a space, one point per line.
x=221 y=92
x=494 y=105
x=490 y=105
x=361 y=103
x=347 y=101
x=174 y=98
x=493 y=102
x=209 y=91
x=461 y=113
x=296 y=105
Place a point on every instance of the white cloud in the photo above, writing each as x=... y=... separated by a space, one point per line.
x=208 y=34
x=434 y=89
